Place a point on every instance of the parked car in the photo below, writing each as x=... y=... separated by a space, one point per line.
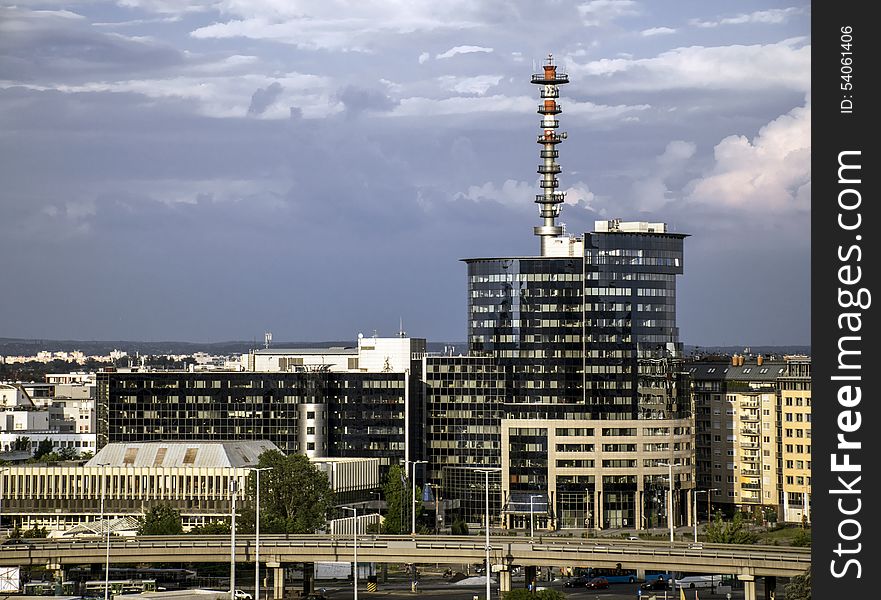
x=579 y=581
x=243 y=595
x=597 y=583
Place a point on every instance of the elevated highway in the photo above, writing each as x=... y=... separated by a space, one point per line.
x=276 y=551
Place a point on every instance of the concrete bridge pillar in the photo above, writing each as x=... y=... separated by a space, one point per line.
x=504 y=580
x=637 y=505
x=770 y=587
x=309 y=578
x=277 y=580
x=530 y=577
x=689 y=502
x=749 y=586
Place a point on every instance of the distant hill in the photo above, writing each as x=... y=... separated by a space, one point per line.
x=29 y=347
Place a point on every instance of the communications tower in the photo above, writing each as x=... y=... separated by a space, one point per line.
x=550 y=199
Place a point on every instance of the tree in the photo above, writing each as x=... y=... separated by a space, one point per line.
x=295 y=496
x=162 y=519
x=21 y=444
x=35 y=532
x=215 y=528
x=398 y=497
x=459 y=527
x=43 y=448
x=730 y=532
x=802 y=538
x=799 y=587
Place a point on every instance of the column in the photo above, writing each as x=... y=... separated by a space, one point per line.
x=637 y=515
x=529 y=576
x=598 y=512
x=690 y=501
x=749 y=586
x=770 y=587
x=277 y=580
x=504 y=579
x=309 y=578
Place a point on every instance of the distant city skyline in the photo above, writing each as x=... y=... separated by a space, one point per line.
x=208 y=171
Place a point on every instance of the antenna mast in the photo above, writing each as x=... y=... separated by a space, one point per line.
x=549 y=200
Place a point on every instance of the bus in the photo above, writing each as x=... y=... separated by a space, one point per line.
x=615 y=574
x=120 y=586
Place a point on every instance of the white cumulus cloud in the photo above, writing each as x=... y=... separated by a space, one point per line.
x=462 y=50
x=599 y=12
x=773 y=16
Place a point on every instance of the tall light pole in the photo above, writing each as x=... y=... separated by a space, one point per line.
x=696 y=492
x=413 y=485
x=233 y=488
x=355 y=578
x=669 y=498
x=106 y=531
x=531 y=526
x=1 y=496
x=257 y=535
x=486 y=571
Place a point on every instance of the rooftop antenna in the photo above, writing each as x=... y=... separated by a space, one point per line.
x=267 y=339
x=401 y=332
x=549 y=200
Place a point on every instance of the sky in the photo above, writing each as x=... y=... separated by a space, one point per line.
x=211 y=170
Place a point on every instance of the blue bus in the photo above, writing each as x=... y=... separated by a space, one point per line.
x=615 y=574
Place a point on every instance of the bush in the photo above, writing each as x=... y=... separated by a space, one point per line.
x=524 y=594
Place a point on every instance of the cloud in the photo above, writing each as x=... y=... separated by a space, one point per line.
x=657 y=31
x=651 y=193
x=477 y=85
x=770 y=173
x=516 y=194
x=773 y=16
x=424 y=57
x=462 y=50
x=357 y=100
x=263 y=98
x=600 y=12
x=783 y=65
x=338 y=25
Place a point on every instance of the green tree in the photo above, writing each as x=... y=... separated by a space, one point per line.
x=799 y=587
x=730 y=532
x=35 y=532
x=459 y=527
x=295 y=496
x=524 y=594
x=21 y=444
x=43 y=448
x=398 y=497
x=802 y=538
x=215 y=528
x=162 y=519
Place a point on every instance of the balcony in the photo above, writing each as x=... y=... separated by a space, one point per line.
x=749 y=445
x=541 y=78
x=749 y=431
x=555 y=168
x=750 y=472
x=749 y=416
x=550 y=138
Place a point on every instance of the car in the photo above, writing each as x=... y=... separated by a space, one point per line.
x=597 y=583
x=655 y=584
x=243 y=595
x=579 y=581
x=632 y=538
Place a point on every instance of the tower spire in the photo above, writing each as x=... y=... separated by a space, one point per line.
x=550 y=199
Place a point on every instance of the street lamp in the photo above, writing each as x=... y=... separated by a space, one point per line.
x=486 y=472
x=669 y=498
x=531 y=526
x=233 y=488
x=413 y=484
x=696 y=492
x=257 y=534
x=355 y=578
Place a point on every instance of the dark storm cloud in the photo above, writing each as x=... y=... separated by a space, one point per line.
x=263 y=98
x=358 y=100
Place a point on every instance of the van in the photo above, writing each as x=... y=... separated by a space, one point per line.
x=699 y=581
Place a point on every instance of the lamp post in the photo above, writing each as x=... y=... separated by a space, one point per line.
x=257 y=535
x=355 y=578
x=413 y=484
x=487 y=569
x=106 y=531
x=696 y=492
x=233 y=488
x=1 y=497
x=531 y=526
x=669 y=497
